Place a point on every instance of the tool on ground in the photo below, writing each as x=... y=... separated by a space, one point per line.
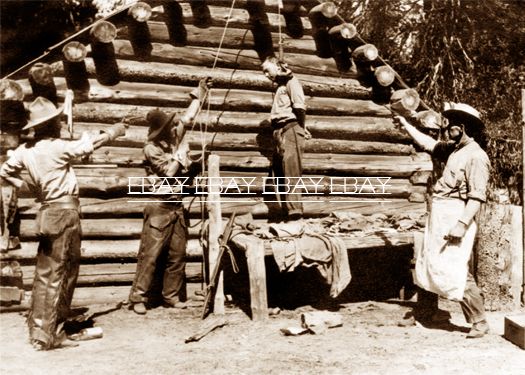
x=223 y=247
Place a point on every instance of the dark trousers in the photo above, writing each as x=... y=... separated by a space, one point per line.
x=162 y=250
x=472 y=304
x=56 y=273
x=287 y=162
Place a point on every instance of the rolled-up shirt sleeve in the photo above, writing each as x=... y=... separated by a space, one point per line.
x=295 y=90
x=80 y=147
x=477 y=174
x=10 y=170
x=160 y=161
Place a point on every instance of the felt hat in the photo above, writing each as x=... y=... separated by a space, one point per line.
x=158 y=120
x=40 y=111
x=463 y=113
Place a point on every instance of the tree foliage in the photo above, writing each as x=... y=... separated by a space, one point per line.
x=29 y=27
x=462 y=51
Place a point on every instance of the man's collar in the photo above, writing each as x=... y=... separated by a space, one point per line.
x=464 y=141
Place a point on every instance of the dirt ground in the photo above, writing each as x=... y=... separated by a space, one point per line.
x=369 y=342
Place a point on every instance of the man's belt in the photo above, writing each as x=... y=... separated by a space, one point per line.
x=68 y=202
x=284 y=125
x=171 y=204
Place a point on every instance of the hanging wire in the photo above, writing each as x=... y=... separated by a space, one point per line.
x=71 y=37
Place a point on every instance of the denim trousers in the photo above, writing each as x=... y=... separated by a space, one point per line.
x=162 y=252
x=287 y=162
x=56 y=273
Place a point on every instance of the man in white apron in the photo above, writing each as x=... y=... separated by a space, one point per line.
x=442 y=261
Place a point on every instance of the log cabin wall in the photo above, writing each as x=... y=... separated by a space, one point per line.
x=352 y=136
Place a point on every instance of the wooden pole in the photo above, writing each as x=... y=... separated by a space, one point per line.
x=103 y=53
x=291 y=14
x=201 y=14
x=41 y=80
x=257 y=276
x=173 y=18
x=75 y=67
x=260 y=28
x=215 y=229
x=138 y=29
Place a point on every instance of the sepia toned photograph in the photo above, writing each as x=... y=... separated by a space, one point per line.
x=262 y=187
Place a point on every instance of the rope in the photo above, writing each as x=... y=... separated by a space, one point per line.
x=281 y=49
x=223 y=34
x=204 y=131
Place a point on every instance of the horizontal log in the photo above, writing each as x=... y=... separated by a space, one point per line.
x=111 y=223
x=95 y=252
x=380 y=129
x=269 y=6
x=219 y=99
x=233 y=58
x=110 y=273
x=189 y=75
x=234 y=38
x=323 y=163
x=115 y=182
x=239 y=17
x=261 y=141
x=96 y=295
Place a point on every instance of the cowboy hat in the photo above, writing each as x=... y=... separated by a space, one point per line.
x=157 y=120
x=40 y=111
x=463 y=113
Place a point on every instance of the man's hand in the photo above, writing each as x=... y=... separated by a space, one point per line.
x=201 y=90
x=400 y=120
x=307 y=134
x=456 y=234
x=182 y=154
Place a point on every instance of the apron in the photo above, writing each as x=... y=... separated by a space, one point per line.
x=442 y=268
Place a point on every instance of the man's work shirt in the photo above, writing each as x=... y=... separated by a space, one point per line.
x=158 y=158
x=287 y=97
x=466 y=172
x=51 y=175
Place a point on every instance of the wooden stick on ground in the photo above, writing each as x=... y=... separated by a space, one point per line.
x=206 y=327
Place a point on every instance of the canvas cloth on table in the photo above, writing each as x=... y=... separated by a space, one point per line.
x=441 y=267
x=328 y=254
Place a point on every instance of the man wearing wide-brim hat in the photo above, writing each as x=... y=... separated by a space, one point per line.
x=164 y=234
x=442 y=261
x=51 y=178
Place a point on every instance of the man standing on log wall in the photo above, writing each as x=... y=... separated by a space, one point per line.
x=289 y=132
x=442 y=263
x=164 y=234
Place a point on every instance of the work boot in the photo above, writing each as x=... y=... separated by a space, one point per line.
x=38 y=345
x=408 y=320
x=176 y=305
x=139 y=308
x=478 y=330
x=436 y=317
